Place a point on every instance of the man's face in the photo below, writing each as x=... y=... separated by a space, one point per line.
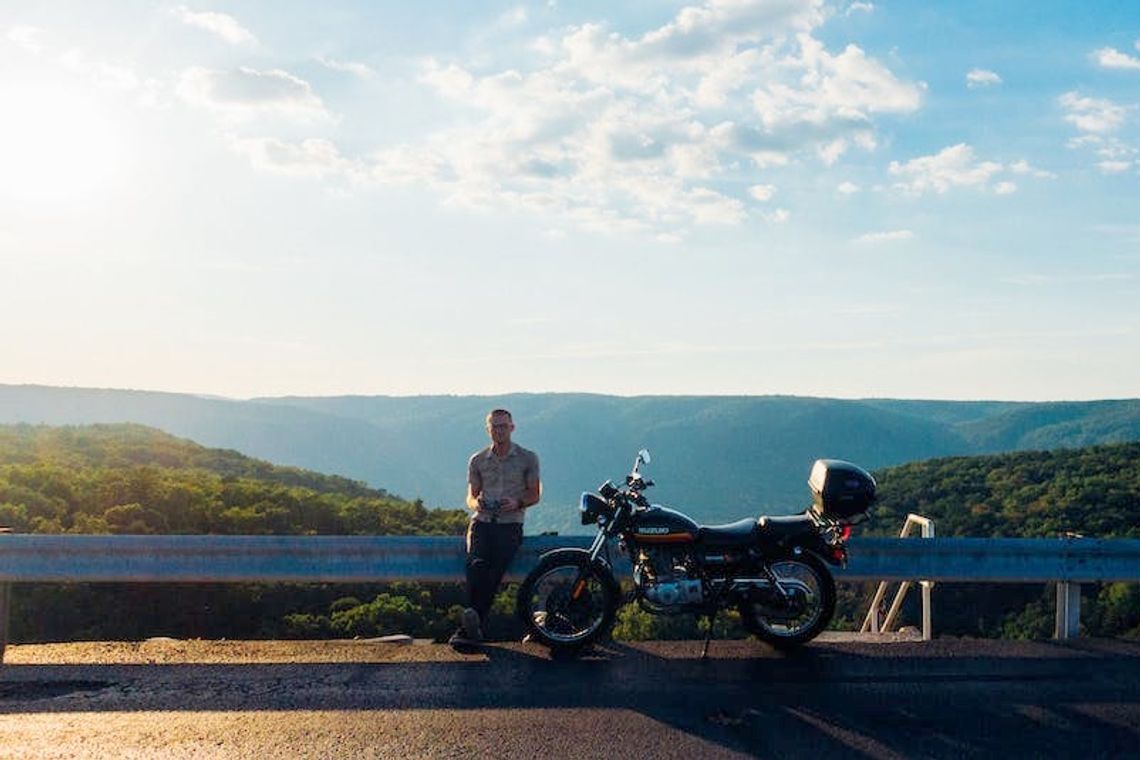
x=499 y=427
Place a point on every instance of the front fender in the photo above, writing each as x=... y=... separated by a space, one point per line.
x=576 y=555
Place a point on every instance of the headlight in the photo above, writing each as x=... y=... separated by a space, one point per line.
x=592 y=507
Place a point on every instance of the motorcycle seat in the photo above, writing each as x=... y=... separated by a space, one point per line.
x=739 y=532
x=782 y=526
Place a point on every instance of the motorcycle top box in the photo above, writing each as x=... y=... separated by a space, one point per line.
x=839 y=489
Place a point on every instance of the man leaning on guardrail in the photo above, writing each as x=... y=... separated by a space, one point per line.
x=502 y=481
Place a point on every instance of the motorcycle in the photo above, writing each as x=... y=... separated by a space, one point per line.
x=772 y=569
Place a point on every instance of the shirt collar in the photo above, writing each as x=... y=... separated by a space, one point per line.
x=510 y=452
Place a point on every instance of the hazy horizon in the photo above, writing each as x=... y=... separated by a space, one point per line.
x=849 y=199
x=566 y=392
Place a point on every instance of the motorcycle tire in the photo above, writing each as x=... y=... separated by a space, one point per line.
x=818 y=608
x=558 y=618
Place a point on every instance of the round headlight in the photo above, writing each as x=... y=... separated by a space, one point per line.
x=592 y=507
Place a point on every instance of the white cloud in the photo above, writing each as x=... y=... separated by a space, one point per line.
x=516 y=16
x=832 y=94
x=349 y=67
x=1114 y=167
x=1098 y=116
x=981 y=78
x=859 y=7
x=1023 y=167
x=848 y=188
x=1099 y=119
x=955 y=166
x=885 y=237
x=245 y=93
x=1111 y=58
x=27 y=37
x=620 y=132
x=638 y=131
x=104 y=75
x=220 y=24
x=148 y=91
x=310 y=158
x=762 y=192
x=1110 y=148
x=832 y=151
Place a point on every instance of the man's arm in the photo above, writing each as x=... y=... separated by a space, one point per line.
x=473 y=494
x=474 y=486
x=533 y=488
x=532 y=495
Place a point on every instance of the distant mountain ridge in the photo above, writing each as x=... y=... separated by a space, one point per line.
x=718 y=458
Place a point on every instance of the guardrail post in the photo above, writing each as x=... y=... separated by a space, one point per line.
x=1068 y=611
x=5 y=596
x=927 y=621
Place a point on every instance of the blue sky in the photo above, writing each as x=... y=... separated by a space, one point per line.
x=851 y=199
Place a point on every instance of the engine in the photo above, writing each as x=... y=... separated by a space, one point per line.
x=664 y=576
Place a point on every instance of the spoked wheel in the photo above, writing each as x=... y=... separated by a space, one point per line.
x=789 y=622
x=566 y=603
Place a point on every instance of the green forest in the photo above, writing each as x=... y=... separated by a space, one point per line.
x=133 y=479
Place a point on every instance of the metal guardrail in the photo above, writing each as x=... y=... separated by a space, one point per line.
x=39 y=558
x=36 y=558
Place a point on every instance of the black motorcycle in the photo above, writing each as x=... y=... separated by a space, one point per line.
x=771 y=569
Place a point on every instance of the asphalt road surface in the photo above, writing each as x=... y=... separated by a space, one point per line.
x=949 y=698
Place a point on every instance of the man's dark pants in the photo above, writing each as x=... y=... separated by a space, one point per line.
x=490 y=548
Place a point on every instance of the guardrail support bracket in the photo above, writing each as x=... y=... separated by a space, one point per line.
x=1068 y=611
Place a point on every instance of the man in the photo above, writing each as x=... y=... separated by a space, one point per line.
x=502 y=481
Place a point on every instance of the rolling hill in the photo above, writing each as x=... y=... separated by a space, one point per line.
x=716 y=457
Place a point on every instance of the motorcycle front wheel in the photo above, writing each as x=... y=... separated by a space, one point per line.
x=803 y=615
x=567 y=602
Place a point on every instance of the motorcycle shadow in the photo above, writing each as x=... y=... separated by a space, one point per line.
x=689 y=651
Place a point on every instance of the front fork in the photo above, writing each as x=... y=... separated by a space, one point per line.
x=583 y=573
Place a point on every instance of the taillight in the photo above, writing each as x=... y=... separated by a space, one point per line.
x=839 y=554
x=845 y=533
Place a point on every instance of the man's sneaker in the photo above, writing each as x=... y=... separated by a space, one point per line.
x=469 y=624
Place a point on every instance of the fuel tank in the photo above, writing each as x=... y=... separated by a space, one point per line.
x=661 y=525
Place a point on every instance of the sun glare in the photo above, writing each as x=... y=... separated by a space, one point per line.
x=55 y=145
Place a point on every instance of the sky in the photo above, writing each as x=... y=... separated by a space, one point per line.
x=845 y=199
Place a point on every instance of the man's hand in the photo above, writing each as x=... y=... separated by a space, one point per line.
x=510 y=505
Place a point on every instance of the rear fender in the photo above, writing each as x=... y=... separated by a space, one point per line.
x=814 y=544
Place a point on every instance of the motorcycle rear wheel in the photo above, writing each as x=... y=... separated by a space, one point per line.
x=554 y=614
x=807 y=618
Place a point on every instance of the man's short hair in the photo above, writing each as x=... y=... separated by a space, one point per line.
x=499 y=412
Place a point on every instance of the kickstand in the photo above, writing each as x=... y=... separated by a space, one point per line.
x=712 y=624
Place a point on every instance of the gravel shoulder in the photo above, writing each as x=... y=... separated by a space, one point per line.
x=167 y=651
